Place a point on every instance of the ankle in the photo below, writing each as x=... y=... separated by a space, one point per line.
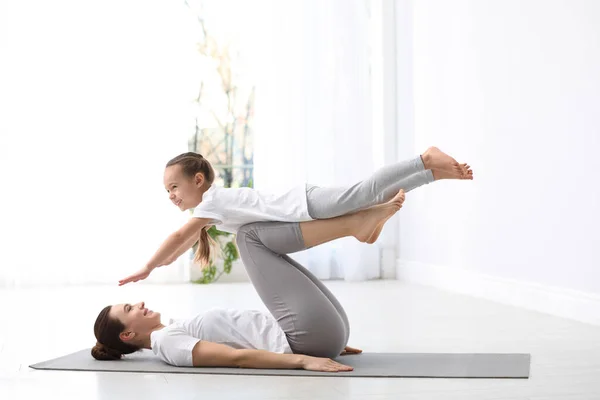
x=355 y=223
x=425 y=159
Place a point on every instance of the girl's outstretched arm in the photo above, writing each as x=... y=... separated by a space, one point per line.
x=182 y=249
x=172 y=245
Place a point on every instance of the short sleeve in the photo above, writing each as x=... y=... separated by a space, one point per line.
x=207 y=210
x=175 y=348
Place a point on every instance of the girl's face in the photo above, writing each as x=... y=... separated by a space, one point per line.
x=138 y=320
x=183 y=191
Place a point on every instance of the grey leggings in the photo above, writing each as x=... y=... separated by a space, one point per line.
x=313 y=320
x=311 y=317
x=328 y=202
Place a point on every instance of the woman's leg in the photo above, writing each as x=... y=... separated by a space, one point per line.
x=325 y=202
x=313 y=320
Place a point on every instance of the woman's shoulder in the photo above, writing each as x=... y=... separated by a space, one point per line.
x=175 y=322
x=179 y=326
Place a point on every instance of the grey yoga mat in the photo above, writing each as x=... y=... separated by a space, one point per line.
x=388 y=365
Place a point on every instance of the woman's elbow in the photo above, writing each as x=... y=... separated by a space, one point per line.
x=242 y=358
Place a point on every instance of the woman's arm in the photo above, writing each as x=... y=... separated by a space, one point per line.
x=250 y=358
x=208 y=354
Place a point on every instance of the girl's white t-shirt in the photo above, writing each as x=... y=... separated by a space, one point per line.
x=231 y=208
x=240 y=329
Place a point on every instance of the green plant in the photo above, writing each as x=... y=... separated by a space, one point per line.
x=229 y=254
x=224 y=122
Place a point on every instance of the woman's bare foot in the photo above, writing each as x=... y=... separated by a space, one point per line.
x=435 y=159
x=466 y=173
x=370 y=222
x=375 y=235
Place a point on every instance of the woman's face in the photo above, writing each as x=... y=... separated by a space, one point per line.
x=136 y=318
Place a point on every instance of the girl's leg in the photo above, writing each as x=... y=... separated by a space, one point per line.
x=314 y=321
x=412 y=182
x=329 y=202
x=422 y=178
x=325 y=202
x=383 y=184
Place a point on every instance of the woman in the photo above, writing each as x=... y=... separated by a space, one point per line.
x=307 y=326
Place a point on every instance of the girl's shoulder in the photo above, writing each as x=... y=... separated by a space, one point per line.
x=220 y=189
x=221 y=192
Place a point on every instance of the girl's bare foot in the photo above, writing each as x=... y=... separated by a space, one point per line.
x=466 y=173
x=435 y=159
x=370 y=222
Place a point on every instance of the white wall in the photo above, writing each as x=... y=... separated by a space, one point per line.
x=513 y=88
x=92 y=105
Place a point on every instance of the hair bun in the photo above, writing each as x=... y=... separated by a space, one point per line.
x=101 y=352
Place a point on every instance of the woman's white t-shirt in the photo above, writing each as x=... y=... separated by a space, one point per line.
x=231 y=208
x=240 y=329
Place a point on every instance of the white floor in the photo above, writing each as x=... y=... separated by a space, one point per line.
x=385 y=316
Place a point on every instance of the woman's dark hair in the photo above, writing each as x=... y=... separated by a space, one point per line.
x=191 y=164
x=109 y=346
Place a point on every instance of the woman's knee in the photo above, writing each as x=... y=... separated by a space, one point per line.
x=278 y=237
x=331 y=351
x=246 y=229
x=324 y=343
x=247 y=232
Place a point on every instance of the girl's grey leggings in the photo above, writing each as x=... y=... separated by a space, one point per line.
x=313 y=320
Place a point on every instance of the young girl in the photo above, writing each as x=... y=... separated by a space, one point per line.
x=189 y=181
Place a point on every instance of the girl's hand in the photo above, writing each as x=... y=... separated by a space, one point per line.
x=323 y=364
x=138 y=276
x=350 y=350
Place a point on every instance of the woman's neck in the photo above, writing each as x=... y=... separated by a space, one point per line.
x=146 y=341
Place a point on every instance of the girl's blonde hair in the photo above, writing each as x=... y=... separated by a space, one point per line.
x=191 y=164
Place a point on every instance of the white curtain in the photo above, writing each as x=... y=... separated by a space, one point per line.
x=95 y=98
x=313 y=112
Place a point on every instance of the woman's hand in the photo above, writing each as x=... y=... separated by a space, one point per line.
x=323 y=364
x=141 y=274
x=350 y=350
